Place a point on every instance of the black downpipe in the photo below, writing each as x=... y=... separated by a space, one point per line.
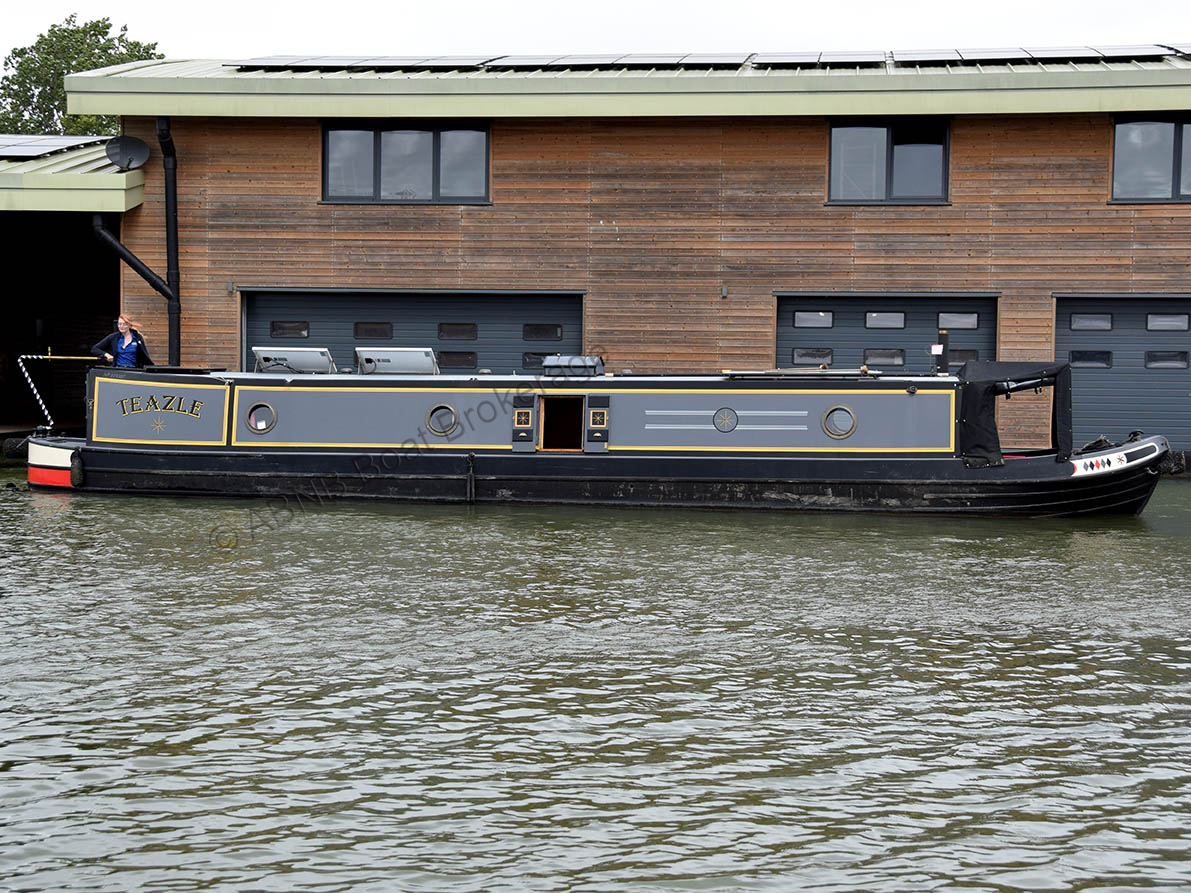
x=172 y=275
x=101 y=233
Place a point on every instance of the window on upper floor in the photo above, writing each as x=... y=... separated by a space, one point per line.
x=405 y=163
x=900 y=162
x=1152 y=160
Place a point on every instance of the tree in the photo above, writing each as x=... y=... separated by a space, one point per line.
x=32 y=95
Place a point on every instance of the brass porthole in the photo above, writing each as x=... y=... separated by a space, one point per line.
x=839 y=422
x=442 y=419
x=261 y=418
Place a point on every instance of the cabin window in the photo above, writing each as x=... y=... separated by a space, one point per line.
x=364 y=330
x=902 y=162
x=442 y=419
x=533 y=360
x=457 y=359
x=541 y=331
x=261 y=418
x=813 y=319
x=1167 y=322
x=562 y=423
x=884 y=320
x=884 y=356
x=1166 y=359
x=284 y=328
x=1090 y=359
x=812 y=356
x=959 y=320
x=957 y=356
x=458 y=331
x=839 y=422
x=1091 y=322
x=405 y=163
x=1152 y=161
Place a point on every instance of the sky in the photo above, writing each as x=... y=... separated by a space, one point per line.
x=223 y=29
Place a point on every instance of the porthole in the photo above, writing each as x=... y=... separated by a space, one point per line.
x=442 y=419
x=839 y=422
x=261 y=418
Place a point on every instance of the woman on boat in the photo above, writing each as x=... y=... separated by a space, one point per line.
x=124 y=347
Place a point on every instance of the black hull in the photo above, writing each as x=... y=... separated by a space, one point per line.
x=1031 y=487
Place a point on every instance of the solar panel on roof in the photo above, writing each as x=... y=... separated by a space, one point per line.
x=528 y=63
x=650 y=60
x=1184 y=48
x=863 y=57
x=1140 y=51
x=716 y=60
x=785 y=60
x=18 y=146
x=457 y=61
x=584 y=61
x=1000 y=54
x=926 y=56
x=1064 y=53
x=266 y=61
x=394 y=63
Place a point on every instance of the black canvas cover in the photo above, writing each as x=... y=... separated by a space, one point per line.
x=982 y=382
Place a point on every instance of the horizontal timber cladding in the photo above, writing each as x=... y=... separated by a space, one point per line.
x=893 y=334
x=678 y=232
x=502 y=333
x=1130 y=365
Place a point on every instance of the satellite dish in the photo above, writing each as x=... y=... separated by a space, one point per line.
x=127 y=152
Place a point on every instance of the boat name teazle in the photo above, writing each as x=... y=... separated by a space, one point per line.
x=810 y=439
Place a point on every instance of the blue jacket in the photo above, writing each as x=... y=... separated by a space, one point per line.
x=108 y=345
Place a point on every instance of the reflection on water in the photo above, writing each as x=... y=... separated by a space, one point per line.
x=378 y=697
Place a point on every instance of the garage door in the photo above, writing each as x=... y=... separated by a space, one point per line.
x=500 y=333
x=890 y=334
x=1129 y=359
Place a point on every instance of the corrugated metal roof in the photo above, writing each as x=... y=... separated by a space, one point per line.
x=909 y=82
x=82 y=179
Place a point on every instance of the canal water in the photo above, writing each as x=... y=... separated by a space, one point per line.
x=215 y=694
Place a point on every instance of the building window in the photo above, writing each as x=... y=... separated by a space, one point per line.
x=284 y=328
x=1152 y=161
x=900 y=162
x=812 y=356
x=884 y=320
x=885 y=356
x=364 y=330
x=957 y=356
x=535 y=331
x=1167 y=322
x=813 y=319
x=533 y=360
x=1166 y=359
x=457 y=359
x=457 y=331
x=959 y=320
x=1090 y=359
x=1091 y=322
x=417 y=165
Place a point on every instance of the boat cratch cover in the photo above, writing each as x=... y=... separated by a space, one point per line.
x=983 y=381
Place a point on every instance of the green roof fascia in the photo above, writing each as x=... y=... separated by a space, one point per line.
x=104 y=193
x=628 y=95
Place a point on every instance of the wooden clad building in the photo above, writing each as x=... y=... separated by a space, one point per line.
x=684 y=214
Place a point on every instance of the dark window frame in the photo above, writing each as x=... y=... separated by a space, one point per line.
x=1152 y=360
x=830 y=314
x=1182 y=123
x=900 y=351
x=436 y=128
x=1085 y=362
x=525 y=331
x=474 y=327
x=901 y=313
x=794 y=361
x=357 y=336
x=447 y=359
x=939 y=320
x=1072 y=327
x=273 y=323
x=1152 y=328
x=888 y=124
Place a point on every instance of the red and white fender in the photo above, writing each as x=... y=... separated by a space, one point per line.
x=49 y=466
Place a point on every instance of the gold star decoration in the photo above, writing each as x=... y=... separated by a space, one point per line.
x=158 y=424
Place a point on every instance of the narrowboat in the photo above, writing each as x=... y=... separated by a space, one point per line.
x=392 y=427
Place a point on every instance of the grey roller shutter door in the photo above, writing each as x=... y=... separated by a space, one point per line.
x=850 y=332
x=497 y=332
x=1127 y=376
